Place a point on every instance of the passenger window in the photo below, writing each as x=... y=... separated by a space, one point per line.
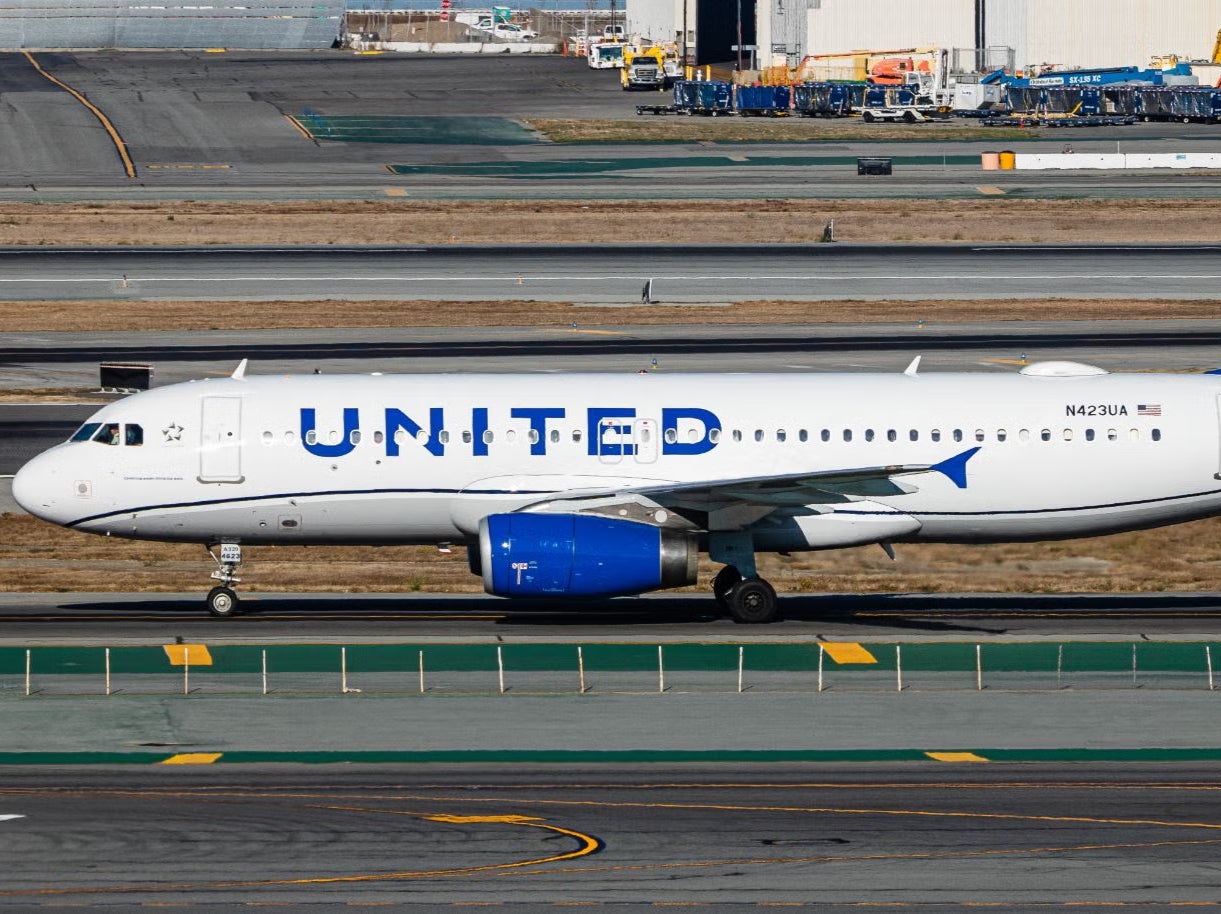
x=133 y=435
x=957 y=434
x=1112 y=435
x=671 y=435
x=1089 y=434
x=378 y=437
x=267 y=436
x=354 y=436
x=826 y=434
x=290 y=437
x=714 y=435
x=107 y=434
x=1045 y=434
x=979 y=434
x=1134 y=434
x=868 y=434
x=781 y=435
x=466 y=436
x=737 y=434
x=86 y=431
x=847 y=434
x=1068 y=434
x=511 y=436
x=803 y=436
x=555 y=436
x=1157 y=434
x=1001 y=434
x=576 y=435
x=400 y=436
x=935 y=434
x=758 y=434
x=532 y=435
x=913 y=435
x=487 y=436
x=1024 y=434
x=892 y=435
x=442 y=436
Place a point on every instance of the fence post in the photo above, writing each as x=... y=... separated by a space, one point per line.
x=27 y=672
x=108 y=671
x=343 y=670
x=421 y=672
x=1133 y=663
x=899 y=667
x=1208 y=656
x=264 y=671
x=661 y=671
x=1059 y=666
x=821 y=651
x=740 y=649
x=979 y=670
x=186 y=671
x=500 y=669
x=581 y=668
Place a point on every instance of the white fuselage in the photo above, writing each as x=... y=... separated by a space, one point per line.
x=422 y=458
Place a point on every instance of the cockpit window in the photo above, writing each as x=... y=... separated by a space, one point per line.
x=133 y=435
x=107 y=434
x=85 y=432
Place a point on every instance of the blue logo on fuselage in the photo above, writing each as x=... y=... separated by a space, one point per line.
x=610 y=431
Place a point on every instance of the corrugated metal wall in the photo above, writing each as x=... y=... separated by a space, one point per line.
x=836 y=26
x=170 y=23
x=1088 y=33
x=659 y=20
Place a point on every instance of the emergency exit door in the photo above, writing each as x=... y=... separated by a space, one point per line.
x=220 y=440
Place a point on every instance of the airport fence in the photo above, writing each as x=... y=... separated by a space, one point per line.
x=551 y=669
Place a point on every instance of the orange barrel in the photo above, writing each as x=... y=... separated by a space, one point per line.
x=1008 y=160
x=991 y=161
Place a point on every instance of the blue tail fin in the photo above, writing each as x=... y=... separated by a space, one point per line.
x=955 y=468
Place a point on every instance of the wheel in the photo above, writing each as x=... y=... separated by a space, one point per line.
x=222 y=602
x=723 y=583
x=868 y=117
x=909 y=117
x=752 y=601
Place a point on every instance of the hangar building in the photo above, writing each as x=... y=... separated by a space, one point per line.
x=170 y=23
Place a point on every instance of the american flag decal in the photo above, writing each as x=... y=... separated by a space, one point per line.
x=1148 y=409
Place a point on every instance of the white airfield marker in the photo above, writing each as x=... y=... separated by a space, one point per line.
x=5 y=818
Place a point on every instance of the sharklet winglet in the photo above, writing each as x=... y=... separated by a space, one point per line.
x=240 y=371
x=955 y=468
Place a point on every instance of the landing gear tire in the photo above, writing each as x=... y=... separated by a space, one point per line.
x=222 y=603
x=723 y=583
x=752 y=601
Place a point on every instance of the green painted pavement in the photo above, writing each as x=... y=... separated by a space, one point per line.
x=583 y=167
x=577 y=757
x=470 y=131
x=1016 y=657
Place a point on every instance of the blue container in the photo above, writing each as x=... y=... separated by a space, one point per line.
x=707 y=97
x=763 y=99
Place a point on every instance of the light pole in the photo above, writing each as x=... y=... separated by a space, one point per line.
x=739 y=36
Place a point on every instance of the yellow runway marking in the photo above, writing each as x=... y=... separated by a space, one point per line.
x=395 y=191
x=955 y=757
x=198 y=167
x=195 y=654
x=192 y=758
x=214 y=50
x=1005 y=361
x=300 y=127
x=590 y=332
x=848 y=652
x=990 y=190
x=128 y=166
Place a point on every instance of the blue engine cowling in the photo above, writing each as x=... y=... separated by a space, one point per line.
x=581 y=555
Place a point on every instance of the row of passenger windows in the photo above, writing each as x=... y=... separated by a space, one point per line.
x=643 y=435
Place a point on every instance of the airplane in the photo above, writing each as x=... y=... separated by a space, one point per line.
x=602 y=485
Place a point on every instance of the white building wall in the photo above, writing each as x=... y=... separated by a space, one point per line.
x=837 y=26
x=660 y=20
x=1088 y=33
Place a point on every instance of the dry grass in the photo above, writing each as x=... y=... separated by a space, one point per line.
x=989 y=219
x=35 y=556
x=84 y=316
x=682 y=129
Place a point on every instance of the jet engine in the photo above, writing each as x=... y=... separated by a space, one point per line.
x=581 y=555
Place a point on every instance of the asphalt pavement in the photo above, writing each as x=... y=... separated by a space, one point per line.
x=628 y=836
x=615 y=274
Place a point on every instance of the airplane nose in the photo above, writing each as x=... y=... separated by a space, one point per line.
x=34 y=487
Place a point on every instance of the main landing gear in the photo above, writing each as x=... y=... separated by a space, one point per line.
x=749 y=601
x=222 y=600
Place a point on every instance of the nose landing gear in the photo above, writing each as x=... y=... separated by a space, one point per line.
x=222 y=601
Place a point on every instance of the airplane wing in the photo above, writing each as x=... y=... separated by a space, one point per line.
x=760 y=495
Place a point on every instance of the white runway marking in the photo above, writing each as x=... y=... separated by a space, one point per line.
x=5 y=818
x=811 y=277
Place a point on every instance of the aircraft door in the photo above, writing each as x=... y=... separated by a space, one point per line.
x=644 y=436
x=220 y=440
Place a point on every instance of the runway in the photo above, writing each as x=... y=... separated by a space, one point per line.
x=125 y=618
x=615 y=274
x=629 y=836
